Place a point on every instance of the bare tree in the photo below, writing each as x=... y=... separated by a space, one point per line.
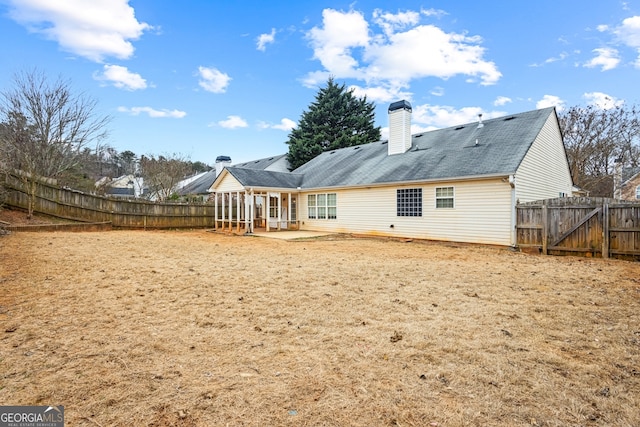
x=45 y=128
x=161 y=174
x=594 y=138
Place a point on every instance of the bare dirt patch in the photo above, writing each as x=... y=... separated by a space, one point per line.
x=197 y=329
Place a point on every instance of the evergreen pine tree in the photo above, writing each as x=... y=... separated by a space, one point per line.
x=336 y=119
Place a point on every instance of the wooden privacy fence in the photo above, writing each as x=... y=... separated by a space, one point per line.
x=580 y=226
x=70 y=204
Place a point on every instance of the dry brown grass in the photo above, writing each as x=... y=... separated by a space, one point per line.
x=200 y=329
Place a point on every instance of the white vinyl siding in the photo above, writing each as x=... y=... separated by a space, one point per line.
x=229 y=183
x=482 y=213
x=544 y=171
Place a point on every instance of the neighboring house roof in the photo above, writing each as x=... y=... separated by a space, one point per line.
x=120 y=191
x=629 y=173
x=466 y=151
x=121 y=181
x=200 y=185
x=183 y=183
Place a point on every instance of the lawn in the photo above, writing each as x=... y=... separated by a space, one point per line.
x=196 y=328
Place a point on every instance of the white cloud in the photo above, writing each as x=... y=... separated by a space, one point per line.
x=121 y=77
x=551 y=101
x=602 y=100
x=629 y=31
x=502 y=100
x=606 y=57
x=233 y=122
x=264 y=39
x=390 y=22
x=440 y=116
x=562 y=56
x=433 y=12
x=333 y=43
x=347 y=47
x=380 y=94
x=285 y=125
x=437 y=91
x=153 y=113
x=92 y=29
x=213 y=80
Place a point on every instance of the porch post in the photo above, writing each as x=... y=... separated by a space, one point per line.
x=279 y=211
x=223 y=215
x=288 y=211
x=238 y=212
x=230 y=211
x=245 y=199
x=252 y=210
x=215 y=211
x=267 y=213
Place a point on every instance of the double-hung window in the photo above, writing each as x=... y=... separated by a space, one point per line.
x=444 y=197
x=322 y=206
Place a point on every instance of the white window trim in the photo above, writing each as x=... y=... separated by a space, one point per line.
x=315 y=208
x=452 y=197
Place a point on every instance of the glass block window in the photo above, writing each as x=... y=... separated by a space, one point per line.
x=409 y=202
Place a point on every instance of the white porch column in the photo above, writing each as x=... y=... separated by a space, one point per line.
x=223 y=215
x=279 y=211
x=230 y=210
x=246 y=211
x=252 y=210
x=238 y=211
x=267 y=213
x=288 y=211
x=215 y=211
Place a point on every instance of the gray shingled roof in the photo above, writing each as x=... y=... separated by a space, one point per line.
x=200 y=185
x=629 y=173
x=440 y=154
x=268 y=179
x=260 y=163
x=449 y=153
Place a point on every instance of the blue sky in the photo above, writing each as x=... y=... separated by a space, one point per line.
x=209 y=78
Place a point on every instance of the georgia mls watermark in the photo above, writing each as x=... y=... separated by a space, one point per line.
x=31 y=416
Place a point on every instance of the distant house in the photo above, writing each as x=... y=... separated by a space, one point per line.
x=125 y=186
x=456 y=184
x=626 y=183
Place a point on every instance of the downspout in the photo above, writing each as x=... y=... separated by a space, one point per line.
x=512 y=184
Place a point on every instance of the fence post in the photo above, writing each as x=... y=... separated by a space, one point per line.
x=605 y=230
x=545 y=231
